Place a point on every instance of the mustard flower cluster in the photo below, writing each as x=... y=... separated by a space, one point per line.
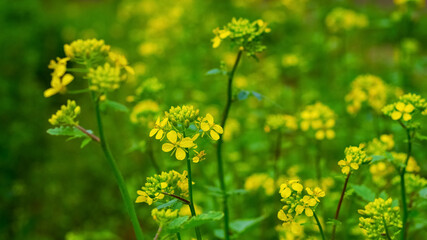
x=244 y=34
x=319 y=118
x=367 y=88
x=159 y=185
x=104 y=69
x=341 y=20
x=379 y=219
x=83 y=51
x=164 y=215
x=67 y=115
x=354 y=157
x=296 y=202
x=280 y=122
x=59 y=78
x=406 y=109
x=182 y=126
x=260 y=181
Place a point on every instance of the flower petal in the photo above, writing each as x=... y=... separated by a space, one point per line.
x=172 y=136
x=167 y=147
x=180 y=154
x=214 y=135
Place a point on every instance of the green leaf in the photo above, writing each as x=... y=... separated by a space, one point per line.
x=85 y=142
x=377 y=158
x=332 y=221
x=383 y=195
x=214 y=191
x=243 y=95
x=423 y=193
x=237 y=192
x=170 y=203
x=66 y=131
x=421 y=137
x=216 y=71
x=242 y=225
x=114 y=105
x=259 y=96
x=182 y=223
x=364 y=192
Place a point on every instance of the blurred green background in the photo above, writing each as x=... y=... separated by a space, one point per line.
x=52 y=189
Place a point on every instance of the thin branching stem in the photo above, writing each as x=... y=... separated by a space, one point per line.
x=219 y=147
x=337 y=213
x=190 y=191
x=119 y=178
x=319 y=225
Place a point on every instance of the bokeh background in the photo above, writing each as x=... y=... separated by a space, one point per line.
x=52 y=189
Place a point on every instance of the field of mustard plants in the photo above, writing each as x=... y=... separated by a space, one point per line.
x=241 y=119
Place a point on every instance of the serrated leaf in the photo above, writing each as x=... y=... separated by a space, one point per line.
x=242 y=225
x=383 y=195
x=114 y=105
x=364 y=192
x=332 y=221
x=175 y=225
x=243 y=95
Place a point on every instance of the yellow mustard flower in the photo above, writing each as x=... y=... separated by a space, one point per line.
x=177 y=144
x=305 y=205
x=159 y=127
x=58 y=85
x=207 y=125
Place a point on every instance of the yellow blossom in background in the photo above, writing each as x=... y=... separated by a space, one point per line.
x=320 y=119
x=177 y=144
x=404 y=3
x=400 y=158
x=379 y=146
x=143 y=109
x=199 y=156
x=290 y=60
x=280 y=122
x=231 y=129
x=341 y=19
x=258 y=181
x=66 y=115
x=370 y=89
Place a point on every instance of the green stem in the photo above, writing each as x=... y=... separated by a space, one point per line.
x=219 y=147
x=178 y=236
x=319 y=225
x=403 y=189
x=119 y=178
x=386 y=229
x=190 y=190
x=337 y=213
